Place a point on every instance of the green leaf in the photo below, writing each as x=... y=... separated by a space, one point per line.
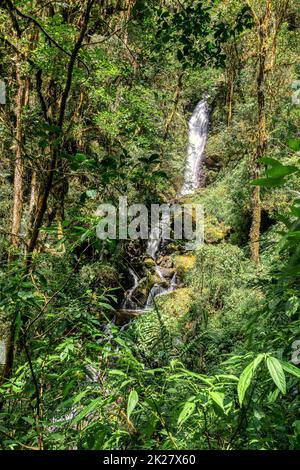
x=276 y=168
x=28 y=420
x=116 y=372
x=294 y=144
x=268 y=182
x=291 y=369
x=282 y=171
x=228 y=377
x=244 y=381
x=132 y=402
x=258 y=360
x=18 y=323
x=186 y=412
x=276 y=173
x=106 y=306
x=160 y=174
x=67 y=388
x=78 y=397
x=186 y=373
x=56 y=437
x=272 y=397
x=277 y=373
x=269 y=161
x=218 y=398
x=246 y=377
x=87 y=410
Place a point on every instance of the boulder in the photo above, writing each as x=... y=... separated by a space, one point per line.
x=149 y=262
x=167 y=273
x=165 y=262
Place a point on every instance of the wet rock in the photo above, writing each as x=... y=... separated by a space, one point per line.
x=165 y=262
x=167 y=273
x=149 y=262
x=213 y=162
x=172 y=248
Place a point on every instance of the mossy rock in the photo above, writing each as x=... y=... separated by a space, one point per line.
x=149 y=262
x=141 y=293
x=145 y=285
x=172 y=248
x=176 y=303
x=183 y=264
x=165 y=261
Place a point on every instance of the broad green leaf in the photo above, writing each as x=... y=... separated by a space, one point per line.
x=275 y=173
x=18 y=322
x=246 y=377
x=277 y=169
x=270 y=161
x=268 y=182
x=160 y=174
x=67 y=388
x=218 y=398
x=294 y=144
x=186 y=412
x=106 y=306
x=258 y=360
x=277 y=373
x=56 y=436
x=291 y=369
x=244 y=381
x=132 y=402
x=281 y=171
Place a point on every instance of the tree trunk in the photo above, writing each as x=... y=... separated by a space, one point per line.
x=230 y=88
x=21 y=102
x=174 y=107
x=129 y=6
x=262 y=133
x=33 y=188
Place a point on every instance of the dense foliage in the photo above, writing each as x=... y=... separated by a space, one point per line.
x=98 y=97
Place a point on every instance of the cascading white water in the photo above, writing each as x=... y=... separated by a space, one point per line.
x=194 y=174
x=193 y=179
x=198 y=133
x=158 y=290
x=128 y=302
x=159 y=272
x=156 y=236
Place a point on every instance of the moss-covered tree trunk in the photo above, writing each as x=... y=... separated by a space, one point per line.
x=263 y=42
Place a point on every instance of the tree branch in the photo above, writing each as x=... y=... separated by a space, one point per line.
x=12 y=7
x=72 y=63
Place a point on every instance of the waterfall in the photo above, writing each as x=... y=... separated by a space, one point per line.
x=158 y=290
x=194 y=171
x=128 y=302
x=193 y=179
x=156 y=236
x=198 y=133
